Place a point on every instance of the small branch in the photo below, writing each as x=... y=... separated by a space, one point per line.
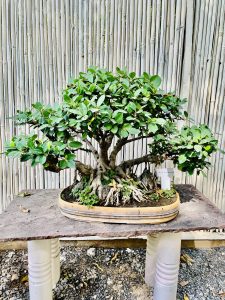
x=85 y=150
x=91 y=147
x=138 y=138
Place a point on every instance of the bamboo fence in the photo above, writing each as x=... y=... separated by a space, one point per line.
x=43 y=43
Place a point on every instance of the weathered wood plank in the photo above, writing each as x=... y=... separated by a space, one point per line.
x=116 y=244
x=45 y=220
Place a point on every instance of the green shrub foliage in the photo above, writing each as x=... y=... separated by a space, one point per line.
x=101 y=105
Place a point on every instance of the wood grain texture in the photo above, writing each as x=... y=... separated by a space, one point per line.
x=45 y=220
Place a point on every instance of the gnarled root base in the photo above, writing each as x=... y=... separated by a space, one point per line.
x=113 y=188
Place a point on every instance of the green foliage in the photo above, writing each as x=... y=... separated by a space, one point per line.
x=87 y=198
x=108 y=176
x=126 y=188
x=189 y=149
x=100 y=104
x=55 y=154
x=168 y=193
x=154 y=197
x=158 y=194
x=83 y=194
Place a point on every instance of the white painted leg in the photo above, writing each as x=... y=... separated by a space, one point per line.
x=55 y=261
x=150 y=261
x=167 y=266
x=39 y=265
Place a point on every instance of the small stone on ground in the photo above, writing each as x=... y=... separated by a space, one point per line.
x=114 y=274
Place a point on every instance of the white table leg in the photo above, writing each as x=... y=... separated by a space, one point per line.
x=39 y=266
x=55 y=261
x=167 y=266
x=150 y=261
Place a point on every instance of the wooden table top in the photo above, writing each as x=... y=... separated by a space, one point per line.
x=45 y=220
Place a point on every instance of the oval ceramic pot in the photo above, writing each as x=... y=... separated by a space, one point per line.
x=124 y=215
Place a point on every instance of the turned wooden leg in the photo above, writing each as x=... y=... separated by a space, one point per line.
x=39 y=266
x=55 y=261
x=167 y=266
x=150 y=261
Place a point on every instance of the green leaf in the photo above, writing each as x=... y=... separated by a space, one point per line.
x=152 y=127
x=132 y=75
x=41 y=159
x=119 y=118
x=131 y=107
x=14 y=154
x=196 y=135
x=164 y=107
x=137 y=92
x=123 y=133
x=72 y=122
x=37 y=150
x=71 y=164
x=133 y=130
x=160 y=121
x=155 y=81
x=182 y=158
x=25 y=157
x=125 y=81
x=70 y=156
x=107 y=126
x=37 y=105
x=100 y=100
x=198 y=148
x=114 y=129
x=75 y=144
x=186 y=114
x=63 y=164
x=44 y=126
x=83 y=109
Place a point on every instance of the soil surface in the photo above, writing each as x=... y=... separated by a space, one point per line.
x=66 y=196
x=115 y=274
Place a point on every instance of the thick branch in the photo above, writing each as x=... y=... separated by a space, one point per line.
x=84 y=169
x=119 y=145
x=105 y=144
x=116 y=150
x=136 y=161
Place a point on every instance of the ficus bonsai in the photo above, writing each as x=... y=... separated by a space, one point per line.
x=112 y=110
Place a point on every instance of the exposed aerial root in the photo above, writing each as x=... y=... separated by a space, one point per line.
x=119 y=191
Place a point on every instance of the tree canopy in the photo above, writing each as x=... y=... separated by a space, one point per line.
x=99 y=105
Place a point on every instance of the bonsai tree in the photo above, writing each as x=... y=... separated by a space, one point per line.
x=111 y=110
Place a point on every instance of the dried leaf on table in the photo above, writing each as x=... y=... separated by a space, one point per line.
x=24 y=209
x=24 y=194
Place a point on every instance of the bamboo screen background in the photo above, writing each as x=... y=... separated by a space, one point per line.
x=45 y=42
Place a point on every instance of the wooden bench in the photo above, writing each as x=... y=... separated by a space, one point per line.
x=43 y=225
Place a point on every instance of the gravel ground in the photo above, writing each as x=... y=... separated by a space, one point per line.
x=111 y=274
